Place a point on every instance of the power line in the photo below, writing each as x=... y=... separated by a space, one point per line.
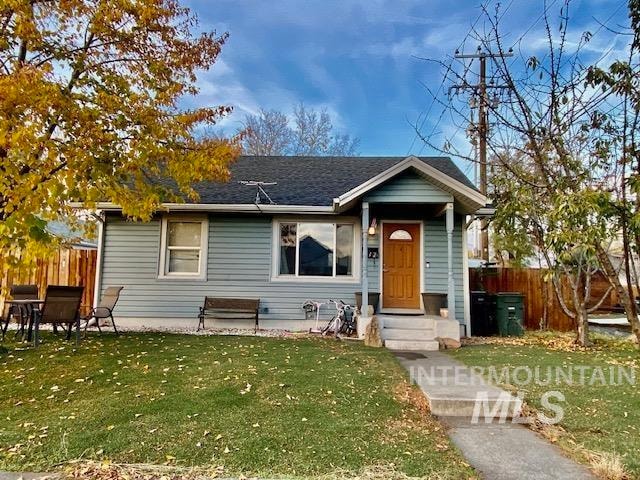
x=444 y=79
x=479 y=90
x=540 y=17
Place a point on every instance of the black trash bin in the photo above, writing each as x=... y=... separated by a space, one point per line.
x=510 y=314
x=483 y=314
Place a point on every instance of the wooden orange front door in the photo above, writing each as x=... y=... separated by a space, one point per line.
x=401 y=265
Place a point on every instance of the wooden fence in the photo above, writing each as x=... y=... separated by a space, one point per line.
x=65 y=267
x=542 y=308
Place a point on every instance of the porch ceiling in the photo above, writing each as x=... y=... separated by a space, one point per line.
x=407 y=211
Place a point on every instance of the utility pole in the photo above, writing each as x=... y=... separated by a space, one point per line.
x=479 y=90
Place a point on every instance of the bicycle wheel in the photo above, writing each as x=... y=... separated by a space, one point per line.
x=349 y=328
x=330 y=327
x=344 y=327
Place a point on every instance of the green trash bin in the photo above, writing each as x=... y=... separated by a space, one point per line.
x=510 y=314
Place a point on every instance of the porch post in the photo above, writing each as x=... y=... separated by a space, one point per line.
x=364 y=310
x=97 y=287
x=451 y=292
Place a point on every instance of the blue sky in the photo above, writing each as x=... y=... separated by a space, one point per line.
x=356 y=58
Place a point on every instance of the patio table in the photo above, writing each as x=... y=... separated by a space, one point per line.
x=29 y=306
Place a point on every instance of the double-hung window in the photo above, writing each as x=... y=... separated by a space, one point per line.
x=184 y=247
x=316 y=249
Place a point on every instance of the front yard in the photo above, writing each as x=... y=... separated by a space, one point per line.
x=245 y=405
x=599 y=418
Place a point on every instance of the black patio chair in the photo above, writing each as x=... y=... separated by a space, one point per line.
x=61 y=307
x=104 y=308
x=20 y=312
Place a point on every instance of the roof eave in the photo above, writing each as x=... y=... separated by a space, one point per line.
x=223 y=208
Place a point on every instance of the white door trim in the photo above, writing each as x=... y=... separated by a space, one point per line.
x=421 y=245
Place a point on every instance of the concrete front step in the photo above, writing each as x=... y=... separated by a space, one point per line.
x=408 y=334
x=489 y=406
x=455 y=390
x=408 y=322
x=412 y=345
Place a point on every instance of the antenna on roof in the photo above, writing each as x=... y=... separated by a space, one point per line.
x=259 y=189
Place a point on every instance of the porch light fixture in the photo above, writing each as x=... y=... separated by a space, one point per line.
x=372 y=227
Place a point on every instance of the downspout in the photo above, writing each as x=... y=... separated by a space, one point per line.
x=364 y=309
x=465 y=283
x=98 y=278
x=451 y=293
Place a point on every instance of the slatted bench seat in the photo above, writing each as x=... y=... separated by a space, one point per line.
x=229 y=309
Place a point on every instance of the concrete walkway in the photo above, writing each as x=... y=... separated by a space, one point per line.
x=498 y=451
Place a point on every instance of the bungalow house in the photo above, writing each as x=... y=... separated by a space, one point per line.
x=290 y=229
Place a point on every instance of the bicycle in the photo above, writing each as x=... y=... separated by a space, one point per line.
x=343 y=321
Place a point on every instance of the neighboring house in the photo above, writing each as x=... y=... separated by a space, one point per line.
x=308 y=235
x=70 y=237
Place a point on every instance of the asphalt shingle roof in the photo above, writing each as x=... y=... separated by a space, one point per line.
x=307 y=180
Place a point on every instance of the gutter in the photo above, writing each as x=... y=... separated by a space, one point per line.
x=221 y=207
x=484 y=212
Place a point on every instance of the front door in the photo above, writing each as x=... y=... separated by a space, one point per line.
x=401 y=265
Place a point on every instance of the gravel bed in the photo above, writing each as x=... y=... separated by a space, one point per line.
x=213 y=331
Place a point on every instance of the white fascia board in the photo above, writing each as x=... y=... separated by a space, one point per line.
x=485 y=212
x=474 y=196
x=217 y=207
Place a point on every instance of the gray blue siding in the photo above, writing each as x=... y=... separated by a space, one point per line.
x=239 y=264
x=435 y=254
x=373 y=265
x=408 y=187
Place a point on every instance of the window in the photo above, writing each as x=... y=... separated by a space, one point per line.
x=288 y=249
x=183 y=249
x=400 y=235
x=315 y=249
x=344 y=249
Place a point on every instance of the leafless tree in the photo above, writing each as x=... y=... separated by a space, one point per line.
x=267 y=133
x=551 y=183
x=308 y=132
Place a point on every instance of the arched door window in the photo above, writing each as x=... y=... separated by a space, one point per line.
x=400 y=235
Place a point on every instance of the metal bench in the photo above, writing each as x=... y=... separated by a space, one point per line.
x=229 y=309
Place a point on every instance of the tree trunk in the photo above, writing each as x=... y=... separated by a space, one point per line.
x=582 y=327
x=623 y=293
x=580 y=307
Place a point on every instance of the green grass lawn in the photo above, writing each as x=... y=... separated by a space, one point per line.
x=602 y=419
x=265 y=406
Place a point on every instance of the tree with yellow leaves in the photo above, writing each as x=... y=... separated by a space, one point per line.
x=89 y=111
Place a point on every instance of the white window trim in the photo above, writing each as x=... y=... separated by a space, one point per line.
x=204 y=243
x=354 y=278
